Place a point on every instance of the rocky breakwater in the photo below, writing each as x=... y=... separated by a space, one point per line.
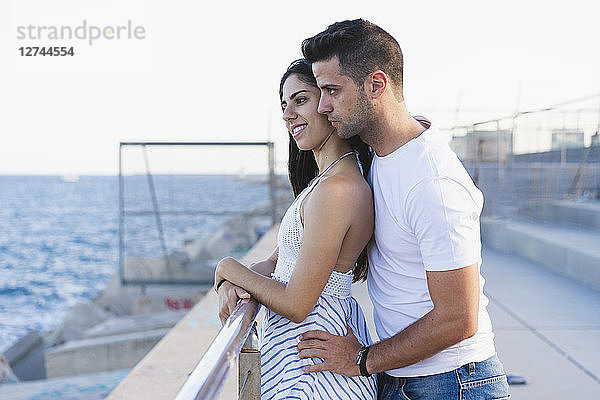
x=116 y=330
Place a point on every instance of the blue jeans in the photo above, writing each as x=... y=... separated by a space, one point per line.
x=473 y=381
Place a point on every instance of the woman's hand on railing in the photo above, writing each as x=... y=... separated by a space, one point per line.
x=229 y=296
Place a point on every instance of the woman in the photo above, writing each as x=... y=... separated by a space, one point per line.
x=321 y=251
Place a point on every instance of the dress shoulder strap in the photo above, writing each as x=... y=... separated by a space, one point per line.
x=314 y=182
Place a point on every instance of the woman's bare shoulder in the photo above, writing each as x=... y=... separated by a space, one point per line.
x=347 y=190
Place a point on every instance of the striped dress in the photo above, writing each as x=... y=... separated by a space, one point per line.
x=281 y=374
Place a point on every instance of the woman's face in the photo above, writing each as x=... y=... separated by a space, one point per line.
x=299 y=104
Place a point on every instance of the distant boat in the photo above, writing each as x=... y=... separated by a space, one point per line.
x=70 y=178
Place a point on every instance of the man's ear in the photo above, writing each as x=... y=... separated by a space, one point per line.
x=376 y=84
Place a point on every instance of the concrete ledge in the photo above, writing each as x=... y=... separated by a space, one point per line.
x=583 y=213
x=570 y=252
x=101 y=354
x=135 y=323
x=164 y=370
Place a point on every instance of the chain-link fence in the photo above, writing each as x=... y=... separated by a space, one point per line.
x=533 y=156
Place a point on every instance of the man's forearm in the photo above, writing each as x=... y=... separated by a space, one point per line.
x=426 y=337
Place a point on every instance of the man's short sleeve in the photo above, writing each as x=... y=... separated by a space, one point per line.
x=444 y=216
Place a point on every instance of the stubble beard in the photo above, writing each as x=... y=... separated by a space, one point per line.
x=363 y=121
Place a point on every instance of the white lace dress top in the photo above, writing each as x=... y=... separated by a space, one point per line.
x=289 y=240
x=335 y=311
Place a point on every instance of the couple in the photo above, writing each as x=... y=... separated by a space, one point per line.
x=411 y=194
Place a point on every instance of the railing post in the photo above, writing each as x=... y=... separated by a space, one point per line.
x=272 y=182
x=121 y=209
x=249 y=368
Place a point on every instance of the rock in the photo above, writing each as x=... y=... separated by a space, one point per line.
x=82 y=316
x=160 y=298
x=117 y=299
x=6 y=373
x=179 y=258
x=193 y=249
x=105 y=353
x=26 y=357
x=137 y=299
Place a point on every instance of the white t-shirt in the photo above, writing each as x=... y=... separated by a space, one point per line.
x=426 y=219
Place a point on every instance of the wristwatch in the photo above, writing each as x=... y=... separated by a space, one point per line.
x=361 y=360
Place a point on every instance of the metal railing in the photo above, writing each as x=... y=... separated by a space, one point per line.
x=238 y=337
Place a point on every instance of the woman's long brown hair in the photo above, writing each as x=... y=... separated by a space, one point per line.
x=302 y=166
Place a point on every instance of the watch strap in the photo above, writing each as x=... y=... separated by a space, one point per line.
x=362 y=364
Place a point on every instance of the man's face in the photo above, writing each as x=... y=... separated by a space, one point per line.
x=345 y=103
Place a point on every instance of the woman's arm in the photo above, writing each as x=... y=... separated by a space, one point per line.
x=264 y=267
x=327 y=218
x=230 y=294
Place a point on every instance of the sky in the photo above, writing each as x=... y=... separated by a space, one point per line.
x=209 y=71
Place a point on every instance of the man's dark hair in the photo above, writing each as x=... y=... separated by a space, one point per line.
x=361 y=48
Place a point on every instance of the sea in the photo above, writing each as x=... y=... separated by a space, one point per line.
x=59 y=238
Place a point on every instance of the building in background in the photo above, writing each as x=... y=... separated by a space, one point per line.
x=483 y=145
x=567 y=138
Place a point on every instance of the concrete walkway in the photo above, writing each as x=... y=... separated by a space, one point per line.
x=547 y=328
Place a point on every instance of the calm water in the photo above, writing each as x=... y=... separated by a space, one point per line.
x=59 y=240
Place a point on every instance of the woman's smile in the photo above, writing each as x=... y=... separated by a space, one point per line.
x=297 y=130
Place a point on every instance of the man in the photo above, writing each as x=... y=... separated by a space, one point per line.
x=424 y=279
